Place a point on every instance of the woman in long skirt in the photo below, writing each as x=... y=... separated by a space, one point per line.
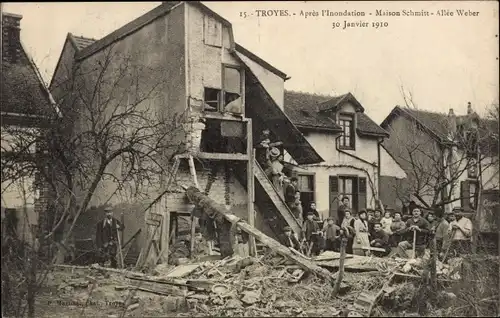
x=361 y=238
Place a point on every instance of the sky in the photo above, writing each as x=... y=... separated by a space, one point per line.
x=443 y=61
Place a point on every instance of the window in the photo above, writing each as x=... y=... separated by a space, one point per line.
x=212 y=34
x=469 y=191
x=212 y=98
x=306 y=188
x=227 y=99
x=347 y=140
x=352 y=187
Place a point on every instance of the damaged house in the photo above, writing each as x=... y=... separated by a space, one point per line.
x=27 y=110
x=221 y=95
x=349 y=141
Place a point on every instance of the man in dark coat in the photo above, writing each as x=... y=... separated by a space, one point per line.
x=380 y=239
x=312 y=234
x=107 y=237
x=288 y=239
x=417 y=224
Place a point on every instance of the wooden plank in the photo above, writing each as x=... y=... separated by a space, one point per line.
x=371 y=248
x=224 y=117
x=222 y=156
x=250 y=186
x=194 y=220
x=210 y=207
x=183 y=270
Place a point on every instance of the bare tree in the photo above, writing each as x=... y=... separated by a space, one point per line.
x=114 y=134
x=434 y=166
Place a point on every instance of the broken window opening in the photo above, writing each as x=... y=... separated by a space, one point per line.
x=223 y=137
x=212 y=99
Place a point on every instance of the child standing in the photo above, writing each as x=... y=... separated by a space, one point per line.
x=332 y=235
x=386 y=222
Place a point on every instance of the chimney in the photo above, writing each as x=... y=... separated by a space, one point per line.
x=11 y=40
x=452 y=124
x=469 y=108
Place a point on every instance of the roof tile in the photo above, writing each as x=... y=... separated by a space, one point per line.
x=303 y=109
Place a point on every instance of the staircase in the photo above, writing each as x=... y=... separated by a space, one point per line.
x=272 y=206
x=275 y=198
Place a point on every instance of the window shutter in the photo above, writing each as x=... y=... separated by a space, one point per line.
x=361 y=193
x=334 y=193
x=334 y=184
x=464 y=194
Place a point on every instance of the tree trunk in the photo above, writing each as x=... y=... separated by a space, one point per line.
x=432 y=263
x=32 y=283
x=338 y=281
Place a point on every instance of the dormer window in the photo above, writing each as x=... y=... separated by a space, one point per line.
x=347 y=139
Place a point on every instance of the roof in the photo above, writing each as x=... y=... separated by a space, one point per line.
x=80 y=42
x=436 y=124
x=261 y=62
x=23 y=91
x=264 y=111
x=304 y=111
x=142 y=21
x=337 y=101
x=90 y=46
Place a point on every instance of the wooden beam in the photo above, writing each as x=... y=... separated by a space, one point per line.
x=250 y=187
x=227 y=117
x=194 y=220
x=210 y=207
x=222 y=156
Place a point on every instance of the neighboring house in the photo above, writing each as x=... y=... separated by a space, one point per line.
x=27 y=108
x=442 y=156
x=349 y=142
x=205 y=70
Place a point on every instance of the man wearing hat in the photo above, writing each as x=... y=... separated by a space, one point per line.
x=312 y=234
x=274 y=170
x=460 y=231
x=262 y=147
x=107 y=237
x=288 y=239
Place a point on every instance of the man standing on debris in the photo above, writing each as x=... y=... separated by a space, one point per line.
x=397 y=227
x=380 y=239
x=312 y=234
x=460 y=231
x=417 y=224
x=332 y=235
x=439 y=227
x=288 y=239
x=107 y=237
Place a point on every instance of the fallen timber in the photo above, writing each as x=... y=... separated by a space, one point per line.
x=210 y=207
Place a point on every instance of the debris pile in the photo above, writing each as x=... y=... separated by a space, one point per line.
x=449 y=271
x=264 y=286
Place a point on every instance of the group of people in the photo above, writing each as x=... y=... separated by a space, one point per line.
x=377 y=232
x=383 y=233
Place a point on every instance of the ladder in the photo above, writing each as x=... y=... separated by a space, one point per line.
x=165 y=222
